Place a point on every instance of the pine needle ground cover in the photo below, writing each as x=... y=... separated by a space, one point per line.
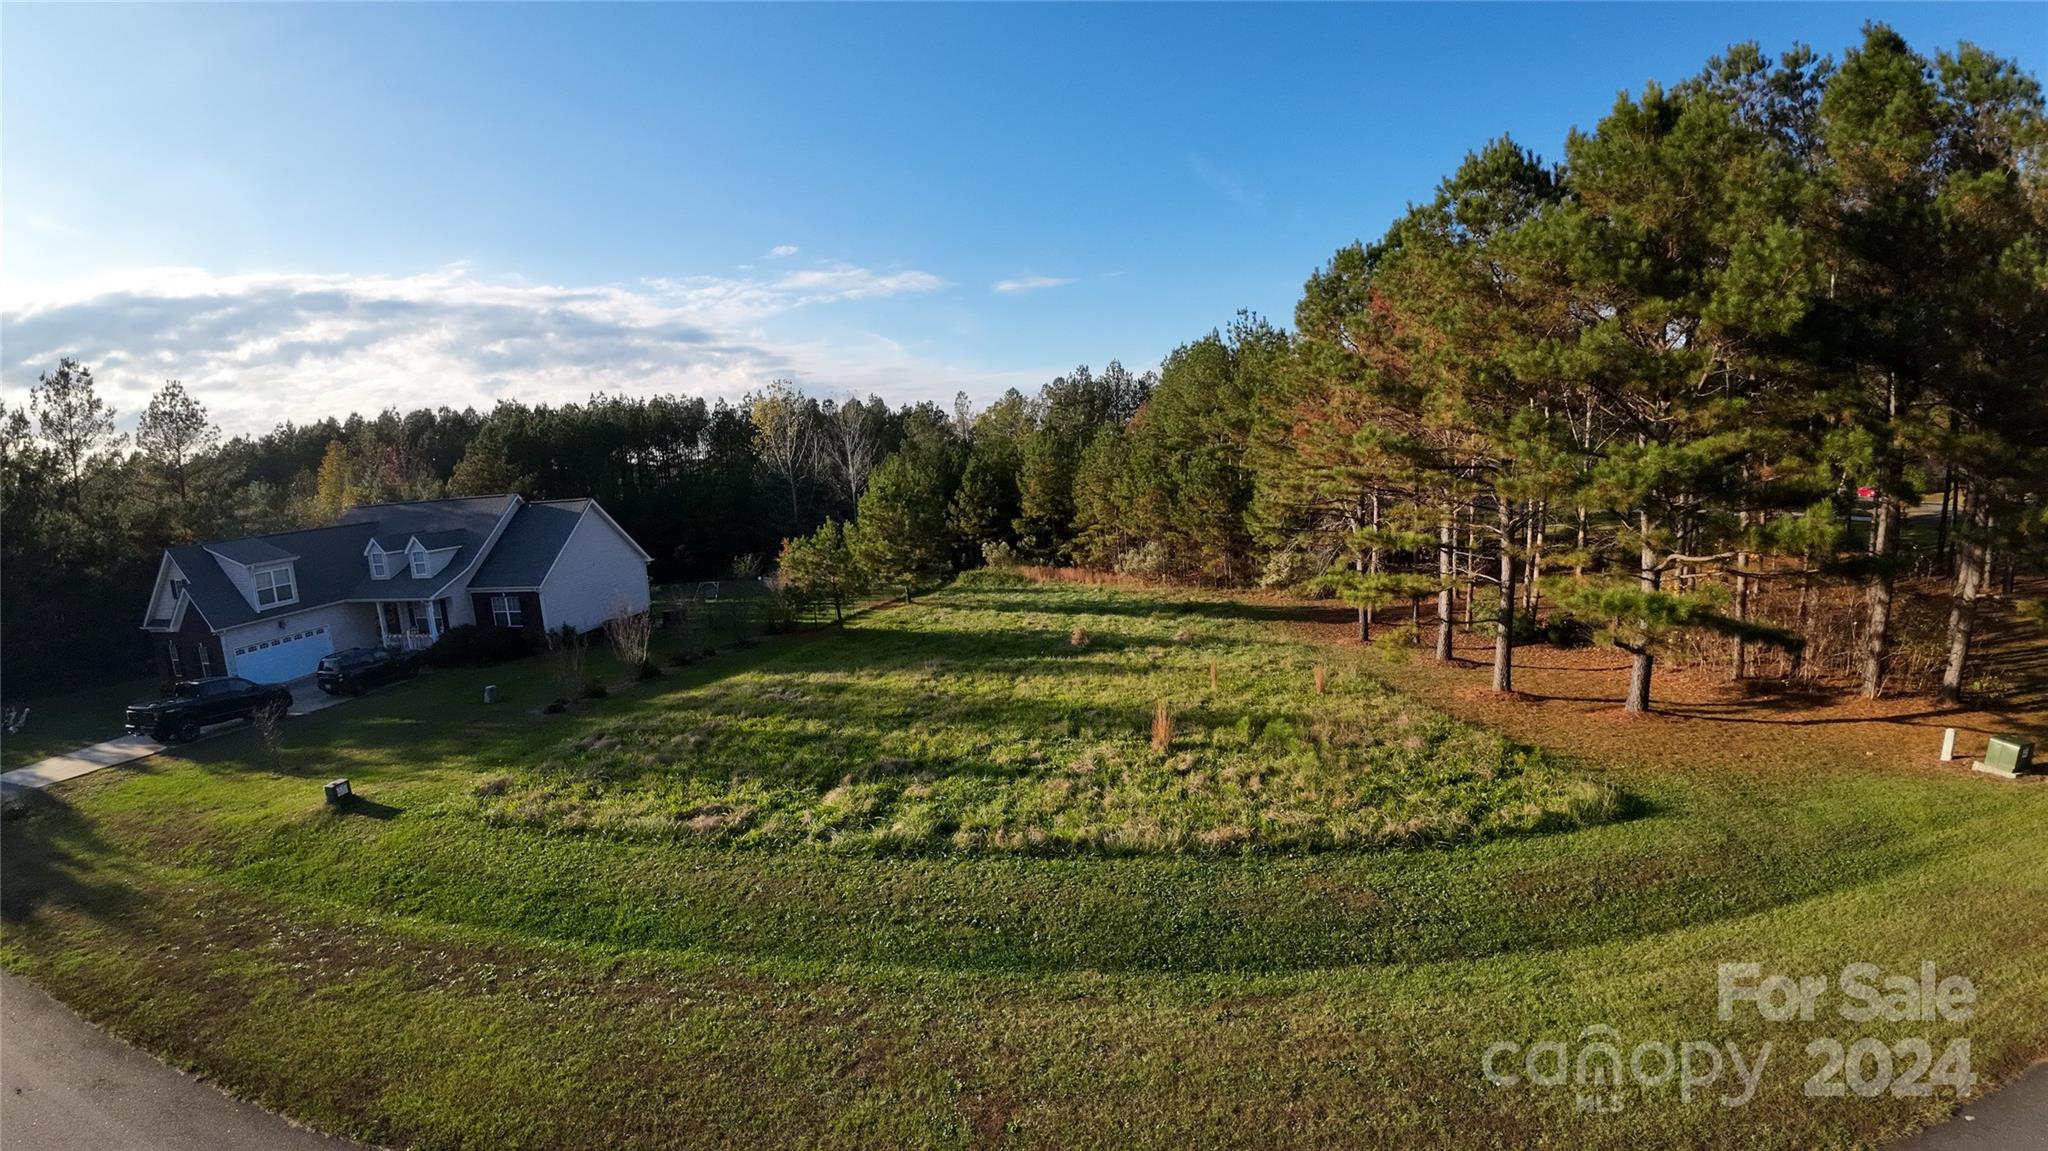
x=432 y=969
x=979 y=722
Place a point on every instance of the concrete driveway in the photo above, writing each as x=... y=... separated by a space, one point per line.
x=65 y=1085
x=306 y=699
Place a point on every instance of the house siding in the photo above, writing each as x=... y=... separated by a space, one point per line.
x=244 y=579
x=598 y=572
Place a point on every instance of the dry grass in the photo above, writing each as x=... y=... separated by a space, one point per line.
x=1571 y=698
x=1162 y=727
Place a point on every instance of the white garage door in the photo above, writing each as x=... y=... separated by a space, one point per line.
x=283 y=657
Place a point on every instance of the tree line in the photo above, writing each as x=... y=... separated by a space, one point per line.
x=1685 y=382
x=1691 y=380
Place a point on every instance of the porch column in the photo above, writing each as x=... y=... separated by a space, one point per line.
x=433 y=623
x=383 y=632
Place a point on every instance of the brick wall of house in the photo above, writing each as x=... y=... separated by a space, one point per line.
x=198 y=650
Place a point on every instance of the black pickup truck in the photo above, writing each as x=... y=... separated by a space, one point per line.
x=194 y=703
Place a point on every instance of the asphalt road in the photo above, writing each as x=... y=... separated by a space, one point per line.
x=65 y=1085
x=2012 y=1118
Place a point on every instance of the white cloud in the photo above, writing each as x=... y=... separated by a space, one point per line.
x=1030 y=283
x=267 y=347
x=782 y=251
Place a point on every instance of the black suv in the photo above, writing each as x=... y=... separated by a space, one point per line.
x=194 y=703
x=358 y=669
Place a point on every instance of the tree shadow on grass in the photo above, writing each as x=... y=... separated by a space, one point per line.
x=47 y=854
x=1138 y=605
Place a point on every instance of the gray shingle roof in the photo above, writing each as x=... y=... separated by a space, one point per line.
x=330 y=565
x=523 y=555
x=435 y=541
x=253 y=550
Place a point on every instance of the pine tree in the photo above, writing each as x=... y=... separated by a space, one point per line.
x=900 y=533
x=486 y=467
x=823 y=566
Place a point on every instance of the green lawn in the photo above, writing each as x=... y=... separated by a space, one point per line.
x=58 y=723
x=988 y=722
x=528 y=934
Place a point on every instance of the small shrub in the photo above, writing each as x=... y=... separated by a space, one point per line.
x=595 y=689
x=994 y=578
x=629 y=632
x=566 y=653
x=647 y=670
x=1563 y=630
x=1149 y=560
x=1992 y=687
x=495 y=786
x=1289 y=568
x=1077 y=638
x=477 y=645
x=556 y=707
x=999 y=555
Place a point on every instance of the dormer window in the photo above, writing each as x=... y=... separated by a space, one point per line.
x=380 y=564
x=420 y=563
x=274 y=586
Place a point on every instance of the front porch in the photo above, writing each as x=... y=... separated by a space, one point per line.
x=411 y=625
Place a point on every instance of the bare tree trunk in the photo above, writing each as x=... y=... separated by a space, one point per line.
x=1642 y=663
x=1579 y=561
x=1805 y=626
x=1973 y=566
x=1374 y=567
x=1471 y=570
x=1878 y=594
x=1445 y=560
x=1640 y=668
x=1739 y=667
x=1884 y=518
x=1504 y=635
x=1364 y=613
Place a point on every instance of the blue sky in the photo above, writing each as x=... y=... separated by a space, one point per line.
x=304 y=209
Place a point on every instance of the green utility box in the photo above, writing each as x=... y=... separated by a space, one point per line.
x=2006 y=755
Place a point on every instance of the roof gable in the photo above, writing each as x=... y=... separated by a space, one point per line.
x=531 y=542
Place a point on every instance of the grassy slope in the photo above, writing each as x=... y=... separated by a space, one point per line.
x=56 y=724
x=411 y=974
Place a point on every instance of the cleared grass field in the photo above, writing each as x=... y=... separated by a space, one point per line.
x=1009 y=717
x=520 y=938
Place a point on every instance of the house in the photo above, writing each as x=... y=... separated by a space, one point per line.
x=266 y=608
